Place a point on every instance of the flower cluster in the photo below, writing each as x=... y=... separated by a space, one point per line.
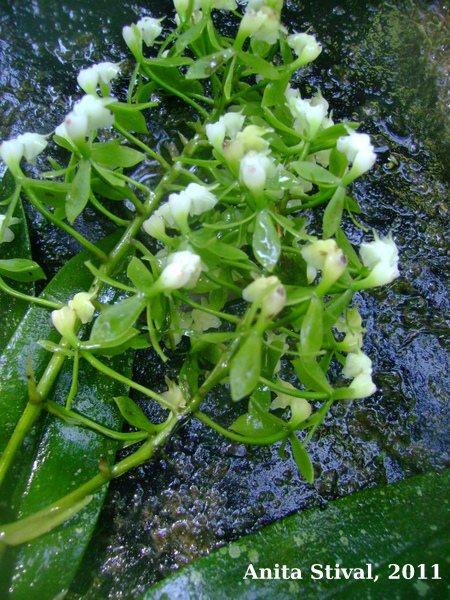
x=80 y=307
x=88 y=114
x=358 y=367
x=26 y=145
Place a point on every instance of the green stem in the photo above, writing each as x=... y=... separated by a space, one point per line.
x=129 y=136
x=253 y=441
x=66 y=413
x=293 y=392
x=36 y=300
x=117 y=220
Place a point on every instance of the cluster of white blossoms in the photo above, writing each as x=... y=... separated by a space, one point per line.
x=358 y=367
x=145 y=30
x=88 y=114
x=80 y=307
x=270 y=292
x=325 y=256
x=261 y=21
x=194 y=200
x=182 y=270
x=381 y=258
x=102 y=73
x=310 y=116
x=26 y=145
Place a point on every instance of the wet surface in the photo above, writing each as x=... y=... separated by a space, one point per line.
x=386 y=65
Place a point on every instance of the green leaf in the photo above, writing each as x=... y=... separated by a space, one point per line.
x=266 y=243
x=274 y=92
x=57 y=454
x=116 y=320
x=311 y=332
x=345 y=245
x=332 y=216
x=78 y=194
x=207 y=65
x=338 y=163
x=335 y=308
x=109 y=178
x=404 y=523
x=315 y=173
x=115 y=155
x=302 y=458
x=12 y=309
x=191 y=35
x=252 y=426
x=52 y=193
x=259 y=65
x=21 y=269
x=140 y=276
x=246 y=367
x=133 y=414
x=311 y=375
x=129 y=116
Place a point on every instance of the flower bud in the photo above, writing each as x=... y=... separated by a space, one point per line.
x=150 y=29
x=133 y=39
x=155 y=226
x=64 y=321
x=88 y=80
x=182 y=271
x=33 y=144
x=326 y=256
x=11 y=152
x=75 y=126
x=180 y=205
x=309 y=118
x=233 y=152
x=255 y=167
x=251 y=138
x=305 y=47
x=271 y=291
x=215 y=132
x=263 y=25
x=28 y=145
x=174 y=394
x=83 y=307
x=357 y=363
x=352 y=328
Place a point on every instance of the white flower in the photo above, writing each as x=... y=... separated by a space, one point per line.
x=308 y=117
x=381 y=257
x=150 y=29
x=228 y=125
x=64 y=321
x=363 y=386
x=28 y=145
x=326 y=256
x=88 y=114
x=104 y=72
x=174 y=394
x=305 y=46
x=269 y=291
x=155 y=226
x=263 y=25
x=255 y=167
x=83 y=307
x=180 y=205
x=300 y=408
x=182 y=271
x=203 y=321
x=359 y=151
x=357 y=363
x=201 y=198
x=8 y=235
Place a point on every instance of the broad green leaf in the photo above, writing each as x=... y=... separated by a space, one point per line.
x=47 y=466
x=169 y=61
x=252 y=426
x=133 y=414
x=140 y=276
x=116 y=320
x=204 y=67
x=403 y=523
x=315 y=173
x=12 y=309
x=21 y=269
x=172 y=78
x=129 y=116
x=246 y=367
x=311 y=375
x=226 y=251
x=109 y=178
x=328 y=136
x=52 y=193
x=188 y=378
x=259 y=65
x=338 y=163
x=266 y=243
x=311 y=332
x=332 y=216
x=115 y=155
x=78 y=195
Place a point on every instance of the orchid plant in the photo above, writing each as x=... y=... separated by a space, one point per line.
x=227 y=223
